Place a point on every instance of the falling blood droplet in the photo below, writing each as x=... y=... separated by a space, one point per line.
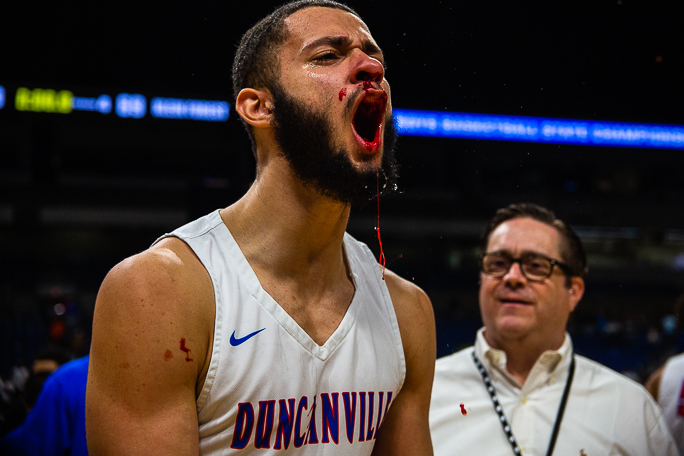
x=342 y=93
x=381 y=260
x=463 y=410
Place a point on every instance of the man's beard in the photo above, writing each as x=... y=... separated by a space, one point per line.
x=305 y=140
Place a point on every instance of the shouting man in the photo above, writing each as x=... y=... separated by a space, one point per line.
x=263 y=327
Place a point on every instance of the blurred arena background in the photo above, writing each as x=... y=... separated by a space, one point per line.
x=94 y=167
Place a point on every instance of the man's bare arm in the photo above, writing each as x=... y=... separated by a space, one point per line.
x=406 y=431
x=653 y=382
x=151 y=338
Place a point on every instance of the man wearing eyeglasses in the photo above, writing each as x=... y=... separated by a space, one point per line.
x=521 y=389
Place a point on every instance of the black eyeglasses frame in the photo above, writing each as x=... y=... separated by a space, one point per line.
x=562 y=266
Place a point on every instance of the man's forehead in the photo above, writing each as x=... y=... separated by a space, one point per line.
x=310 y=24
x=525 y=235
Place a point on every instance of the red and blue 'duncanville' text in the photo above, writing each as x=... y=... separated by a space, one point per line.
x=324 y=419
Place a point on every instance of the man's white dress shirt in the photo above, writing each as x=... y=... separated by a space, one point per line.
x=606 y=413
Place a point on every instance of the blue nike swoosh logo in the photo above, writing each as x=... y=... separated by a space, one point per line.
x=235 y=342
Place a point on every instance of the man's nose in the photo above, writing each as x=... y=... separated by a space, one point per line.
x=515 y=276
x=367 y=69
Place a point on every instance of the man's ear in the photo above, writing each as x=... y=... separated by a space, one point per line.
x=576 y=291
x=255 y=106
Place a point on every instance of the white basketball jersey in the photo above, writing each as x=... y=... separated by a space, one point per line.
x=270 y=388
x=671 y=397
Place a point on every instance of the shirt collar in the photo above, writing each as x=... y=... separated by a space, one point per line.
x=550 y=365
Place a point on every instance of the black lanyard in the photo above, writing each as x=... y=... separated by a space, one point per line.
x=498 y=408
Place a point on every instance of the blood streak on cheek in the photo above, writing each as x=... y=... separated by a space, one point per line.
x=186 y=350
x=463 y=410
x=342 y=93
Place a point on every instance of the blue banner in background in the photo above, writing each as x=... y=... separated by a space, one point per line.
x=538 y=129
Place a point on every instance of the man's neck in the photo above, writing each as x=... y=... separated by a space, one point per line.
x=292 y=239
x=522 y=354
x=286 y=227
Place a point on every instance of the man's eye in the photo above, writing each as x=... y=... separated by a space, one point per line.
x=498 y=263
x=326 y=57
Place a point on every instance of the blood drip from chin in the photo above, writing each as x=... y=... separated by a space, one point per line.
x=381 y=260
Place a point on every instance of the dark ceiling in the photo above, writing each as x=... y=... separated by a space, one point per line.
x=610 y=60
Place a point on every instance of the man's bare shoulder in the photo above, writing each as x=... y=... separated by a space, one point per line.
x=157 y=297
x=167 y=268
x=405 y=429
x=415 y=316
x=407 y=296
x=151 y=345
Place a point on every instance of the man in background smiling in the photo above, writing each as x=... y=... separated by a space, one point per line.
x=521 y=389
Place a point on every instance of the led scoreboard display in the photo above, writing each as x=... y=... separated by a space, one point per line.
x=538 y=129
x=124 y=105
x=410 y=122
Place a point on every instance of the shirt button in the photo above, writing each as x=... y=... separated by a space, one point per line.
x=496 y=358
x=524 y=400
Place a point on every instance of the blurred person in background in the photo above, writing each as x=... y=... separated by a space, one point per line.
x=521 y=389
x=56 y=424
x=666 y=385
x=45 y=363
x=20 y=393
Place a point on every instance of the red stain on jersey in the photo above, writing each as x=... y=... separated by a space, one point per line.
x=342 y=93
x=463 y=410
x=168 y=355
x=186 y=350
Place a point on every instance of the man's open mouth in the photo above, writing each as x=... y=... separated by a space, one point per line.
x=367 y=121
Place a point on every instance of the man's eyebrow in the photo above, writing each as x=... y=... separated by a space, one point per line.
x=340 y=41
x=523 y=253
